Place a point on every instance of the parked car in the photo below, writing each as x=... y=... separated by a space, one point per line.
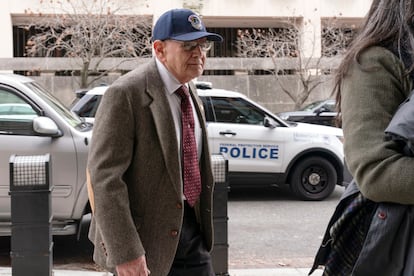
x=319 y=112
x=33 y=122
x=262 y=149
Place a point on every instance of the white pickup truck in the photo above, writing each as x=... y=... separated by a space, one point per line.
x=33 y=122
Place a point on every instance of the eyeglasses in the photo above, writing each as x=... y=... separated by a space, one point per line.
x=191 y=45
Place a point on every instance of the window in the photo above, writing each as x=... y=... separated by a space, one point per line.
x=335 y=41
x=16 y=115
x=236 y=111
x=89 y=109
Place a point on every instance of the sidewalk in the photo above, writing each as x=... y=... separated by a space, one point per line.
x=6 y=271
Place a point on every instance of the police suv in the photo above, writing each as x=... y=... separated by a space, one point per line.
x=262 y=149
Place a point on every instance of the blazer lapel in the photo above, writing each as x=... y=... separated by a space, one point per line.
x=161 y=112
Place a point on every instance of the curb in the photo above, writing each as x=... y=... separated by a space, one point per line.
x=274 y=272
x=6 y=271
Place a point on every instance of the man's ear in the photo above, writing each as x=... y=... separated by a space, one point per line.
x=159 y=47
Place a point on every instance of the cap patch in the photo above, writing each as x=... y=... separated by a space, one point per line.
x=195 y=22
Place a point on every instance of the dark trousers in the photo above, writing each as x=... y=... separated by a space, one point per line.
x=192 y=257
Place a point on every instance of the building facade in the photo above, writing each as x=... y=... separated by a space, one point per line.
x=230 y=17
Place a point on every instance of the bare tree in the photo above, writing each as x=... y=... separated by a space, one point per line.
x=89 y=31
x=336 y=39
x=297 y=73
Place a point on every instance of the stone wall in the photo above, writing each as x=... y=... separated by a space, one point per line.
x=264 y=89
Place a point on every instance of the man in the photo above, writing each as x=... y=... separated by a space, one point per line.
x=152 y=211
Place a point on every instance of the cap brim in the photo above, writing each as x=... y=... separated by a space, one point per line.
x=198 y=35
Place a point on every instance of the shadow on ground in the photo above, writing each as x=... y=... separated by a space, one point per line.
x=262 y=193
x=68 y=253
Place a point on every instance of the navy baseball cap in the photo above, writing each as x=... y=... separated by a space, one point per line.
x=181 y=25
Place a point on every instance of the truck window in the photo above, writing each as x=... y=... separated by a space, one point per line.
x=16 y=115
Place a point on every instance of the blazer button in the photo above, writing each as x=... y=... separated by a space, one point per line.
x=179 y=205
x=382 y=215
x=174 y=233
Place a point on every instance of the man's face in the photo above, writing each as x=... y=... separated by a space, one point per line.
x=185 y=60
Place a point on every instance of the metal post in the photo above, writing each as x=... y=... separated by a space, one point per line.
x=31 y=240
x=220 y=218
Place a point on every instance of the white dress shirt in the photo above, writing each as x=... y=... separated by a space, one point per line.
x=171 y=84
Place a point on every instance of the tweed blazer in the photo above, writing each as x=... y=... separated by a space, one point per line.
x=134 y=175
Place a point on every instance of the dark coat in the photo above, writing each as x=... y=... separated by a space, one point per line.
x=401 y=127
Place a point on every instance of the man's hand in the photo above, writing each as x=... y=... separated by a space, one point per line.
x=137 y=267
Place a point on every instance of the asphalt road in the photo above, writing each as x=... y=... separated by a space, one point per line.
x=266 y=229
x=270 y=228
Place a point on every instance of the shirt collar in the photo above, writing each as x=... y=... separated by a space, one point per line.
x=170 y=82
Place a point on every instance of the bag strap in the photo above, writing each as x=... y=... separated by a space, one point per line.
x=349 y=194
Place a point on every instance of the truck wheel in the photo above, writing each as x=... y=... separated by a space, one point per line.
x=313 y=178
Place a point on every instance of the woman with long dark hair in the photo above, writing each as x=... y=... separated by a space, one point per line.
x=369 y=234
x=374 y=78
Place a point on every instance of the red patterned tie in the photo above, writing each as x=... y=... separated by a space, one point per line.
x=191 y=170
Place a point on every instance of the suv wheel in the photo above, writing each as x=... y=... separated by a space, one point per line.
x=313 y=178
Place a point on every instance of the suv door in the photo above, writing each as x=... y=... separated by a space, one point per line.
x=17 y=136
x=237 y=127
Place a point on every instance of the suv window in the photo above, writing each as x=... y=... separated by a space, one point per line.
x=90 y=107
x=16 y=115
x=236 y=111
